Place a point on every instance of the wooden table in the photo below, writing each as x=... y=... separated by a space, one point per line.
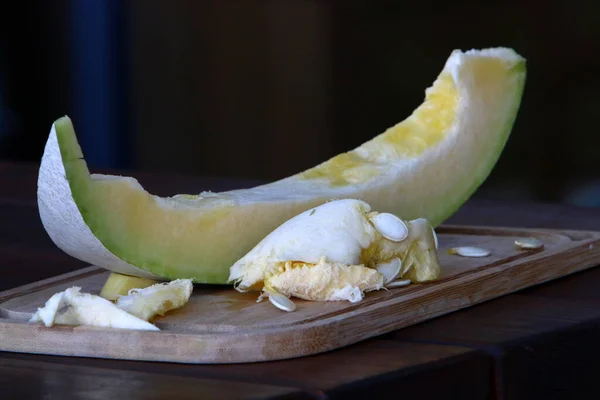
x=542 y=342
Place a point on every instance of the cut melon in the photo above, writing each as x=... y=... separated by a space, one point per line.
x=157 y=299
x=72 y=307
x=426 y=166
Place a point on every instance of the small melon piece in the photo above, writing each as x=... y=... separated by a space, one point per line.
x=156 y=299
x=72 y=307
x=48 y=313
x=118 y=285
x=426 y=166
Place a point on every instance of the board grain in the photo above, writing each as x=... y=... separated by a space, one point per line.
x=220 y=325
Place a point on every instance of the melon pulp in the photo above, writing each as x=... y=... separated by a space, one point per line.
x=426 y=166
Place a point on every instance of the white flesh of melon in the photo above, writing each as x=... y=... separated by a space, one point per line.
x=72 y=307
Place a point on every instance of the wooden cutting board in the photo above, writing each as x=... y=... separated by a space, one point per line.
x=220 y=325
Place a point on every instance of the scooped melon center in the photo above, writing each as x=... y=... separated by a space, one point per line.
x=427 y=126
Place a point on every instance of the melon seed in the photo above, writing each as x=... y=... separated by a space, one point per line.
x=397 y=284
x=390 y=226
x=281 y=302
x=529 y=243
x=390 y=270
x=469 y=251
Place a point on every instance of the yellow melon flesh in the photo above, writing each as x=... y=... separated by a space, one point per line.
x=119 y=285
x=424 y=167
x=324 y=281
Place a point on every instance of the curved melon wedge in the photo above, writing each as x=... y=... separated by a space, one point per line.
x=426 y=166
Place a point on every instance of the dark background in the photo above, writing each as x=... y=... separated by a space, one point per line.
x=264 y=89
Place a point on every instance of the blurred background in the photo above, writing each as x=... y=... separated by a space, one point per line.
x=264 y=89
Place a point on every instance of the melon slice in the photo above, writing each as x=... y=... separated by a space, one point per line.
x=72 y=307
x=426 y=166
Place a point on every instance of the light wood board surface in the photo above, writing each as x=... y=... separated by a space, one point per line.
x=220 y=325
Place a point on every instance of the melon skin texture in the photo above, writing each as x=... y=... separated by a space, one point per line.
x=424 y=167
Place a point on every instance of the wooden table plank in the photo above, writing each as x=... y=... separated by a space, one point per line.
x=583 y=286
x=542 y=346
x=33 y=379
x=504 y=320
x=375 y=368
